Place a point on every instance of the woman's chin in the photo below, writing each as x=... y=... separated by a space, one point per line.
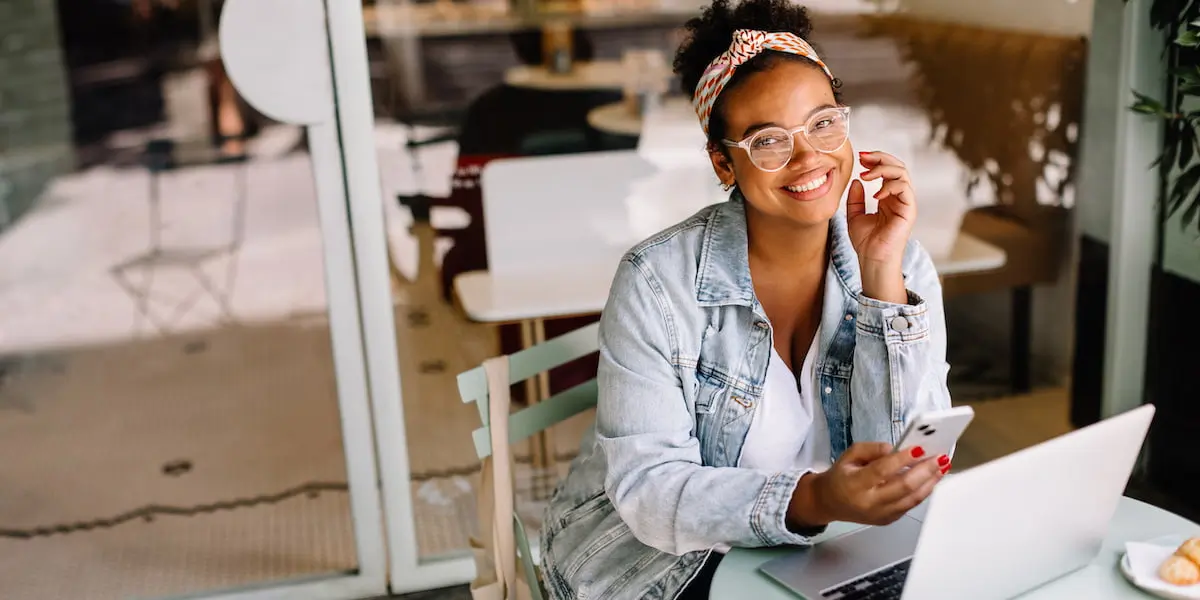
x=812 y=212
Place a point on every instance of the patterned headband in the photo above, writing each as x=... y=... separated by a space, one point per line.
x=747 y=43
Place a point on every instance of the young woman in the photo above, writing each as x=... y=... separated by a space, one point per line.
x=759 y=360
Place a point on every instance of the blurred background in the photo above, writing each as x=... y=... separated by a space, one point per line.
x=196 y=396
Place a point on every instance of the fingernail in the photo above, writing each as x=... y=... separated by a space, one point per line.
x=918 y=452
x=863 y=153
x=943 y=460
x=945 y=469
x=864 y=173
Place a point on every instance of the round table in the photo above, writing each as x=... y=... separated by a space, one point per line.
x=616 y=118
x=594 y=75
x=738 y=576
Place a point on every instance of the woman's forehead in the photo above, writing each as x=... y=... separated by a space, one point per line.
x=788 y=91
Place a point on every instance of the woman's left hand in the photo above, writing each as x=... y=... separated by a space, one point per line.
x=880 y=237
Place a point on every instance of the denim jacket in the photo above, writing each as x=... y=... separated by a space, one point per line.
x=684 y=346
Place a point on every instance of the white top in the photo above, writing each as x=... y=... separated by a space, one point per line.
x=789 y=430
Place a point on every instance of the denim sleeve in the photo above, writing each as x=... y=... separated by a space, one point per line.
x=644 y=430
x=900 y=364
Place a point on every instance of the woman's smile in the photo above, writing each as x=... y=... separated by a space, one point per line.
x=813 y=185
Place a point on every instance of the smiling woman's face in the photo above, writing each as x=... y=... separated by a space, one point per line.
x=784 y=95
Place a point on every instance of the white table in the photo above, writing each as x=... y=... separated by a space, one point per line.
x=557 y=226
x=583 y=289
x=594 y=75
x=738 y=577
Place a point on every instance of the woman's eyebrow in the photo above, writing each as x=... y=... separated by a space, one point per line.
x=757 y=126
x=820 y=108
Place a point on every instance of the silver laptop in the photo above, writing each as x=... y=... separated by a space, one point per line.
x=991 y=532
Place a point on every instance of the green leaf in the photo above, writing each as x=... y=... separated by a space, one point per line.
x=1186 y=145
x=1187 y=75
x=1188 y=39
x=1193 y=209
x=1182 y=187
x=1147 y=105
x=1189 y=215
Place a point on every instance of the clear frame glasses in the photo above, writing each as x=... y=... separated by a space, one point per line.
x=771 y=149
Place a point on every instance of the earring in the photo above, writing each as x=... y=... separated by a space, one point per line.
x=728 y=186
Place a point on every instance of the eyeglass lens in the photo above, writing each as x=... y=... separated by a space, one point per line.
x=826 y=131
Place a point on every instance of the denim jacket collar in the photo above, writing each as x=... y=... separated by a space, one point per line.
x=724 y=273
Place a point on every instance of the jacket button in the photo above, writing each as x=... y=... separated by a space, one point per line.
x=828 y=390
x=900 y=324
x=760 y=324
x=849 y=317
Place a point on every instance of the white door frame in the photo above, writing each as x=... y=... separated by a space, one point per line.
x=1134 y=226
x=276 y=53
x=352 y=85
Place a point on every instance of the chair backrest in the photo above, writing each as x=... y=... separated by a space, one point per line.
x=472 y=387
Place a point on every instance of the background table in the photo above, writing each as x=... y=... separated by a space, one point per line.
x=738 y=575
x=594 y=75
x=618 y=118
x=556 y=228
x=582 y=289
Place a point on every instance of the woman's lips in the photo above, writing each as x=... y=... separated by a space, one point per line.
x=806 y=192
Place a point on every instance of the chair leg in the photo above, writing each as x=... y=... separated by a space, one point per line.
x=1021 y=339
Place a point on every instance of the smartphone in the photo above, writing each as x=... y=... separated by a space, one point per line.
x=936 y=432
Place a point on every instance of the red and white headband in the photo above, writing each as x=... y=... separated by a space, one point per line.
x=746 y=44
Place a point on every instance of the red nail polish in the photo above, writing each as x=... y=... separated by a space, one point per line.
x=945 y=469
x=943 y=460
x=918 y=452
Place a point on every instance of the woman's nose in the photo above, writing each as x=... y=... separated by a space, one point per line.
x=802 y=150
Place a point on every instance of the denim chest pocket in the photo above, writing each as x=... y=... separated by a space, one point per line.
x=723 y=413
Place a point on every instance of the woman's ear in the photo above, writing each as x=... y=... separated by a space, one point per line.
x=722 y=164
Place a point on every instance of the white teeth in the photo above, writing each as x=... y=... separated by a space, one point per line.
x=808 y=187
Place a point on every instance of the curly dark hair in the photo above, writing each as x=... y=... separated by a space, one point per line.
x=711 y=33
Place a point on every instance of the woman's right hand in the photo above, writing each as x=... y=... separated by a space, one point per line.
x=869 y=484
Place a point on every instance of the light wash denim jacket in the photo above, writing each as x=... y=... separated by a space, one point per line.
x=684 y=346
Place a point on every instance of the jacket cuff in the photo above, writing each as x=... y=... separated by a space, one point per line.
x=769 y=518
x=894 y=322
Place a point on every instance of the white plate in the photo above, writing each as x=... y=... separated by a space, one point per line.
x=1173 y=593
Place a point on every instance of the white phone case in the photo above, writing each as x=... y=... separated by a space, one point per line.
x=936 y=432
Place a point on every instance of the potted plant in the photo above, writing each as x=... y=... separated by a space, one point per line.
x=1181 y=140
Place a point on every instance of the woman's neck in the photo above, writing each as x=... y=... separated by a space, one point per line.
x=783 y=246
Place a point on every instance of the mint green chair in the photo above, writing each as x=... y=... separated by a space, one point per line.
x=523 y=365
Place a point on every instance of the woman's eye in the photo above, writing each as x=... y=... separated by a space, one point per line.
x=823 y=123
x=767 y=142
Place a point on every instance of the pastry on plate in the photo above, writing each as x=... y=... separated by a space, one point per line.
x=1178 y=570
x=1190 y=550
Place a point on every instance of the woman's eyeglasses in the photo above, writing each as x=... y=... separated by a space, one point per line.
x=771 y=149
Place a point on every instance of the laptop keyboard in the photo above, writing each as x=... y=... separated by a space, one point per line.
x=880 y=585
